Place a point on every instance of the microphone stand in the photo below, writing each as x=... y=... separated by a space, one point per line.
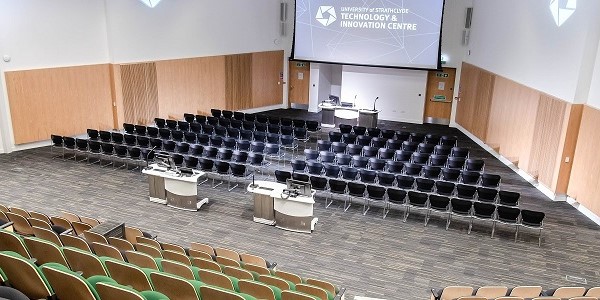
x=147 y=157
x=374 y=102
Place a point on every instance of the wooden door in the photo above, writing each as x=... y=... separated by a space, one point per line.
x=440 y=92
x=299 y=84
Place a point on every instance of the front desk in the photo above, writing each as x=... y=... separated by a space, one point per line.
x=272 y=207
x=335 y=114
x=173 y=189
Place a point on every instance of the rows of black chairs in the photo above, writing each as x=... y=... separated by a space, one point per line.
x=391 y=196
x=350 y=134
x=258 y=118
x=387 y=146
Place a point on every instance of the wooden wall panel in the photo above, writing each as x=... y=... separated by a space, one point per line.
x=545 y=147
x=238 y=81
x=568 y=151
x=140 y=94
x=512 y=120
x=477 y=87
x=63 y=101
x=584 y=184
x=116 y=91
x=191 y=85
x=267 y=86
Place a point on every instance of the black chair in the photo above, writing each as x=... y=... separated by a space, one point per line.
x=364 y=140
x=177 y=135
x=420 y=158
x=256 y=160
x=160 y=122
x=534 y=220
x=460 y=208
x=460 y=152
x=237 y=124
x=327 y=157
x=410 y=146
x=152 y=132
x=190 y=137
x=276 y=120
x=224 y=154
x=313 y=127
x=156 y=144
x=81 y=146
x=335 y=136
x=134 y=154
x=338 y=147
x=348 y=138
x=246 y=135
x=262 y=119
x=375 y=193
x=206 y=165
x=243 y=145
x=190 y=161
x=190 y=118
x=402 y=135
x=286 y=130
x=431 y=172
x=196 y=128
x=359 y=161
x=238 y=115
x=385 y=178
x=239 y=156
x=222 y=169
x=227 y=114
x=486 y=194
x=377 y=164
x=164 y=133
x=436 y=160
x=439 y=204
x=142 y=141
x=171 y=124
x=211 y=152
x=299 y=123
x=257 y=147
x=359 y=130
x=215 y=112
x=465 y=191
x=182 y=148
x=169 y=146
x=203 y=139
x=444 y=188
x=273 y=138
x=301 y=177
x=273 y=128
x=388 y=133
x=140 y=129
x=220 y=130
x=475 y=165
x=405 y=182
x=107 y=153
x=262 y=127
x=208 y=129
x=239 y=171
x=369 y=151
x=314 y=167
x=183 y=125
x=417 y=137
x=424 y=185
x=201 y=119
x=403 y=155
x=323 y=145
x=354 y=149
x=177 y=159
x=385 y=153
x=425 y=148
x=378 y=142
x=298 y=165
x=490 y=180
x=260 y=136
x=129 y=128
x=318 y=183
x=484 y=212
x=311 y=154
x=130 y=139
x=416 y=200
x=394 y=166
x=394 y=144
x=216 y=141
x=349 y=173
x=336 y=186
x=447 y=140
x=272 y=151
x=395 y=196
x=412 y=169
x=355 y=190
x=344 y=128
x=508 y=198
x=450 y=174
x=233 y=132
x=105 y=136
x=212 y=121
x=343 y=159
x=247 y=125
x=250 y=117
x=367 y=176
x=196 y=150
x=282 y=176
x=432 y=139
x=442 y=150
x=331 y=171
x=509 y=216
x=468 y=177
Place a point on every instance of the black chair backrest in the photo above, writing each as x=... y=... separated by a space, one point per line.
x=405 y=182
x=417 y=137
x=412 y=169
x=420 y=158
x=326 y=156
x=143 y=141
x=394 y=166
x=338 y=147
x=160 y=122
x=190 y=118
x=385 y=153
x=377 y=164
x=215 y=112
x=359 y=161
x=354 y=149
x=183 y=125
x=532 y=218
x=95 y=146
x=388 y=133
x=190 y=161
x=484 y=210
x=356 y=189
x=311 y=154
x=396 y=195
x=107 y=148
x=135 y=153
x=424 y=184
x=508 y=214
x=359 y=130
x=447 y=140
x=282 y=176
x=237 y=169
x=238 y=115
x=439 y=202
x=169 y=145
x=369 y=151
x=250 y=117
x=152 y=132
x=140 y=129
x=442 y=150
x=182 y=147
x=323 y=145
x=461 y=206
x=364 y=140
x=490 y=180
x=314 y=167
x=331 y=170
x=460 y=152
x=298 y=165
x=239 y=156
x=431 y=172
x=349 y=138
x=129 y=128
x=438 y=160
x=227 y=114
x=201 y=119
x=318 y=183
x=444 y=188
x=165 y=133
x=105 y=136
x=402 y=135
x=343 y=159
x=337 y=186
x=367 y=176
x=425 y=148
x=374 y=132
x=450 y=174
x=410 y=146
x=335 y=136
x=508 y=198
x=82 y=144
x=300 y=177
x=344 y=128
x=256 y=159
x=375 y=192
x=465 y=191
x=177 y=159
x=433 y=139
x=92 y=134
x=196 y=149
x=222 y=167
x=403 y=155
x=130 y=139
x=385 y=179
x=120 y=150
x=378 y=142
x=486 y=194
x=474 y=165
x=417 y=198
x=349 y=173
x=246 y=134
x=206 y=164
x=224 y=153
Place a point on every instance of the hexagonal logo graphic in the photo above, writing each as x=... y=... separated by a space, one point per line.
x=562 y=10
x=326 y=15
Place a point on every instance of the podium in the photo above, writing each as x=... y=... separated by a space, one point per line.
x=368 y=118
x=173 y=189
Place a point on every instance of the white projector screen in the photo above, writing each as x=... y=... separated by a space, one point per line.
x=384 y=33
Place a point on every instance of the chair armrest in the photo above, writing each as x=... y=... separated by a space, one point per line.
x=340 y=295
x=33 y=260
x=548 y=292
x=6 y=225
x=271 y=265
x=68 y=231
x=437 y=293
x=149 y=235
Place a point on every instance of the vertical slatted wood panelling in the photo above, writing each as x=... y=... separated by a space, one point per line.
x=238 y=81
x=568 y=151
x=267 y=86
x=63 y=101
x=116 y=92
x=546 y=139
x=584 y=184
x=512 y=120
x=140 y=93
x=477 y=86
x=191 y=85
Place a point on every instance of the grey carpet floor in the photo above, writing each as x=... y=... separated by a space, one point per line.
x=370 y=256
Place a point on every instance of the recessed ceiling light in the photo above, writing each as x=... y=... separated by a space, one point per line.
x=151 y=3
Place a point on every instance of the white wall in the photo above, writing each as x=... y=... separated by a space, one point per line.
x=520 y=40
x=401 y=92
x=594 y=95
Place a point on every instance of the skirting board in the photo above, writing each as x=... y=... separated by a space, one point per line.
x=545 y=190
x=261 y=109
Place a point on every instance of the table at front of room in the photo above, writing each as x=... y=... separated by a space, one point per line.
x=272 y=207
x=173 y=189
x=333 y=114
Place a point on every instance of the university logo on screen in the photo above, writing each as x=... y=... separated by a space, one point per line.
x=326 y=15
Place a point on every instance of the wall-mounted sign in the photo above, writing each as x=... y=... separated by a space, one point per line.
x=442 y=75
x=439 y=98
x=300 y=64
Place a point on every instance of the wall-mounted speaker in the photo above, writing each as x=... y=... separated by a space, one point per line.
x=468 y=17
x=283 y=8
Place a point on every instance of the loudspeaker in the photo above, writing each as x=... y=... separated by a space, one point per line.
x=468 y=18
x=283 y=7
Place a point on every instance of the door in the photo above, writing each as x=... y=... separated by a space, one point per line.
x=440 y=92
x=299 y=79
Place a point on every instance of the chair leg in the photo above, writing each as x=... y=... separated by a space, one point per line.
x=448 y=220
x=493 y=228
x=366 y=206
x=406 y=212
x=470 y=226
x=540 y=238
x=386 y=209
x=516 y=232
x=427 y=217
x=349 y=200
x=327 y=204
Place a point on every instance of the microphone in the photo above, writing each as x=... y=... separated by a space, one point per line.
x=354 y=103
x=375 y=102
x=147 y=157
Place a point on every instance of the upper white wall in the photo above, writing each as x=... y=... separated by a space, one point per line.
x=191 y=28
x=519 y=40
x=452 y=32
x=594 y=95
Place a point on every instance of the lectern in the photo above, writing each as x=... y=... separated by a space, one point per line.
x=368 y=118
